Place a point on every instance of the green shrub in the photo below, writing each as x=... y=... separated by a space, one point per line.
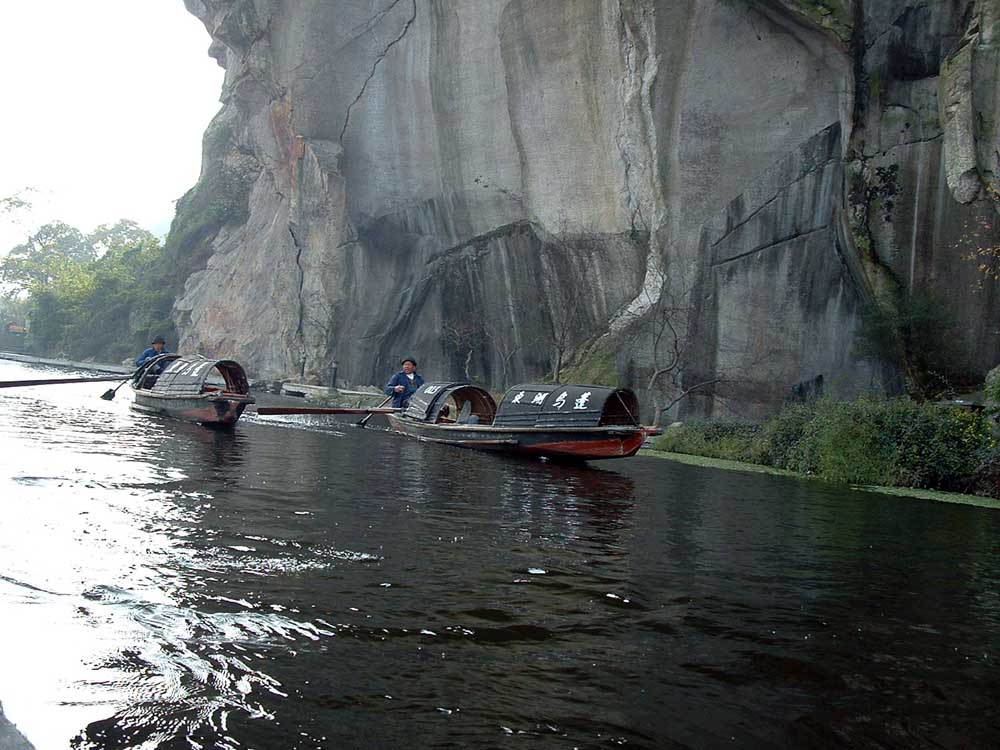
x=991 y=390
x=780 y=436
x=985 y=479
x=882 y=442
x=729 y=440
x=842 y=442
x=917 y=331
x=897 y=442
x=938 y=446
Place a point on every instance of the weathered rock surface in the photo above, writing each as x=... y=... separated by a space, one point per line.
x=776 y=296
x=10 y=737
x=485 y=184
x=923 y=159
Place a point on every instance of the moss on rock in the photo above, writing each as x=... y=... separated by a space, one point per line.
x=221 y=196
x=834 y=15
x=594 y=365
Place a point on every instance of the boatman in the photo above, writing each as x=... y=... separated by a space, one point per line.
x=158 y=348
x=404 y=384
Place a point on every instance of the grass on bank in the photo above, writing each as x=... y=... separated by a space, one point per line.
x=891 y=443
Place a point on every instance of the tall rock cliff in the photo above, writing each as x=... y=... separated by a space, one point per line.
x=491 y=185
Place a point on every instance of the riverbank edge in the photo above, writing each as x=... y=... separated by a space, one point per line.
x=910 y=492
x=90 y=366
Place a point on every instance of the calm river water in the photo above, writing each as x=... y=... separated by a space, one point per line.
x=308 y=585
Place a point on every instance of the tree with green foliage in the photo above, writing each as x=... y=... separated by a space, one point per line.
x=54 y=251
x=13 y=308
x=128 y=303
x=97 y=296
x=12 y=203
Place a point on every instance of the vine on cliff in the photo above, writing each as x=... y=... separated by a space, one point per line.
x=985 y=235
x=916 y=331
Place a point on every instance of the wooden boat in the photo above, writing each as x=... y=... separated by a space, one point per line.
x=575 y=422
x=213 y=392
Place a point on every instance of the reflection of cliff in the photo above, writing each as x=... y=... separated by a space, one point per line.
x=589 y=504
x=403 y=176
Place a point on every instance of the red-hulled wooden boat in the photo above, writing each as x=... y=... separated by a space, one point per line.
x=213 y=392
x=575 y=422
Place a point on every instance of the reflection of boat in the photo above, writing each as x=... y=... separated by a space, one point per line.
x=580 y=422
x=213 y=392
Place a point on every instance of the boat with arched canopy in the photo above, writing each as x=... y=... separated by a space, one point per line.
x=576 y=422
x=212 y=392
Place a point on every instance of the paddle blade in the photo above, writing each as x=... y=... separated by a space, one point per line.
x=364 y=420
x=109 y=394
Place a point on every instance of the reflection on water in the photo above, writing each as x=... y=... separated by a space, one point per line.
x=301 y=584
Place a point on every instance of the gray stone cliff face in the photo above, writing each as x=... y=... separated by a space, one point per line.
x=489 y=184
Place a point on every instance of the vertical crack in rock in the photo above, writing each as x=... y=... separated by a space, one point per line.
x=288 y=174
x=369 y=26
x=856 y=163
x=858 y=55
x=863 y=183
x=378 y=59
x=300 y=328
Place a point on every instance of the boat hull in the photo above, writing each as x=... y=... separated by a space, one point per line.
x=566 y=443
x=211 y=410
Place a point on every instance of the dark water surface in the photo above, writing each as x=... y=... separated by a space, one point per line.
x=303 y=585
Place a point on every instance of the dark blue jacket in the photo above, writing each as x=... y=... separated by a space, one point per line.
x=149 y=354
x=400 y=400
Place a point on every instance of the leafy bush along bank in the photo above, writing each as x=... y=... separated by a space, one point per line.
x=898 y=443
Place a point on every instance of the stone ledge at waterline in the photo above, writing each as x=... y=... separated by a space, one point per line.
x=91 y=366
x=330 y=396
x=727 y=465
x=325 y=393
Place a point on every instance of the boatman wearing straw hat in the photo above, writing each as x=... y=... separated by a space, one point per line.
x=404 y=384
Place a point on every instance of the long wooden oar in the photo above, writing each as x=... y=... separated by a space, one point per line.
x=271 y=410
x=364 y=421
x=55 y=381
x=109 y=394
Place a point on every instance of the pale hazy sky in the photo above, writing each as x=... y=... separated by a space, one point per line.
x=104 y=106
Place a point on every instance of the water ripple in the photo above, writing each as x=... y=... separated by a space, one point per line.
x=297 y=584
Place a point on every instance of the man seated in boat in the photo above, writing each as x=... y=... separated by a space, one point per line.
x=404 y=384
x=152 y=373
x=159 y=347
